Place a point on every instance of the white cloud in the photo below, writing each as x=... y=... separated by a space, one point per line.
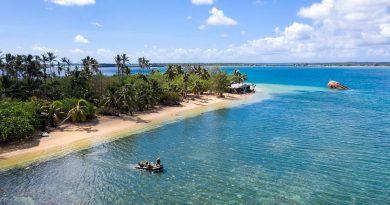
x=72 y=2
x=189 y=17
x=104 y=52
x=317 y=10
x=298 y=31
x=77 y=51
x=224 y=35
x=385 y=30
x=44 y=49
x=80 y=39
x=202 y=2
x=218 y=18
x=97 y=24
x=334 y=30
x=202 y=27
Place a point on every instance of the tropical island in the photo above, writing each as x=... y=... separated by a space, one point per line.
x=50 y=106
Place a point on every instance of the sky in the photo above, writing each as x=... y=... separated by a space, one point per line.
x=192 y=31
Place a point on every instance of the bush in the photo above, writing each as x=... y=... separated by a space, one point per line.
x=82 y=111
x=15 y=128
x=170 y=98
x=69 y=103
x=18 y=120
x=29 y=110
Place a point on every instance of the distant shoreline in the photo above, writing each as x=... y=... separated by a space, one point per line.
x=303 y=67
x=296 y=65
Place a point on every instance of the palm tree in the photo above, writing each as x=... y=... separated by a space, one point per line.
x=110 y=101
x=202 y=72
x=179 y=69
x=31 y=69
x=143 y=63
x=9 y=65
x=38 y=67
x=239 y=77
x=51 y=60
x=60 y=68
x=86 y=64
x=44 y=59
x=186 y=78
x=170 y=72
x=125 y=61
x=196 y=87
x=118 y=62
x=79 y=113
x=52 y=112
x=95 y=66
x=1 y=63
x=66 y=62
x=173 y=71
x=19 y=66
x=126 y=98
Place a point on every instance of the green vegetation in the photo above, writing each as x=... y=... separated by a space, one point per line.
x=18 y=120
x=219 y=81
x=41 y=91
x=238 y=77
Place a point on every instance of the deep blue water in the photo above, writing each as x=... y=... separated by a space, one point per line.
x=295 y=143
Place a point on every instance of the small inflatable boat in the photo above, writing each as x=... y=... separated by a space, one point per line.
x=154 y=168
x=148 y=166
x=336 y=85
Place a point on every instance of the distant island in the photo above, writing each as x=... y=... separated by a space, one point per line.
x=336 y=64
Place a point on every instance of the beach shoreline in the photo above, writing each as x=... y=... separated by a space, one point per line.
x=73 y=137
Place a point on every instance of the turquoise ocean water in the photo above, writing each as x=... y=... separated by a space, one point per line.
x=295 y=142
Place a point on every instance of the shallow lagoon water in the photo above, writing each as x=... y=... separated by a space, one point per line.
x=294 y=143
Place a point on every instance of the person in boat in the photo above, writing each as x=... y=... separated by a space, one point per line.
x=158 y=162
x=142 y=163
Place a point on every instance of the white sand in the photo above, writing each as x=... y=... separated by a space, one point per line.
x=72 y=137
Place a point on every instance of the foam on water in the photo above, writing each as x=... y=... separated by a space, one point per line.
x=287 y=89
x=267 y=91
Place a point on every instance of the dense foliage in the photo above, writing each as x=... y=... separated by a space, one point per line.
x=69 y=92
x=18 y=120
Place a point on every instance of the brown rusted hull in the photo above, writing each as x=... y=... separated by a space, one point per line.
x=337 y=86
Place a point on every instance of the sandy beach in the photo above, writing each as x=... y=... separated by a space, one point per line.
x=72 y=137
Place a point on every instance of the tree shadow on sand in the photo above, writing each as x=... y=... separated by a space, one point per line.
x=25 y=144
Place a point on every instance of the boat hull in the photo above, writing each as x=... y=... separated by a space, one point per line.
x=336 y=86
x=152 y=169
